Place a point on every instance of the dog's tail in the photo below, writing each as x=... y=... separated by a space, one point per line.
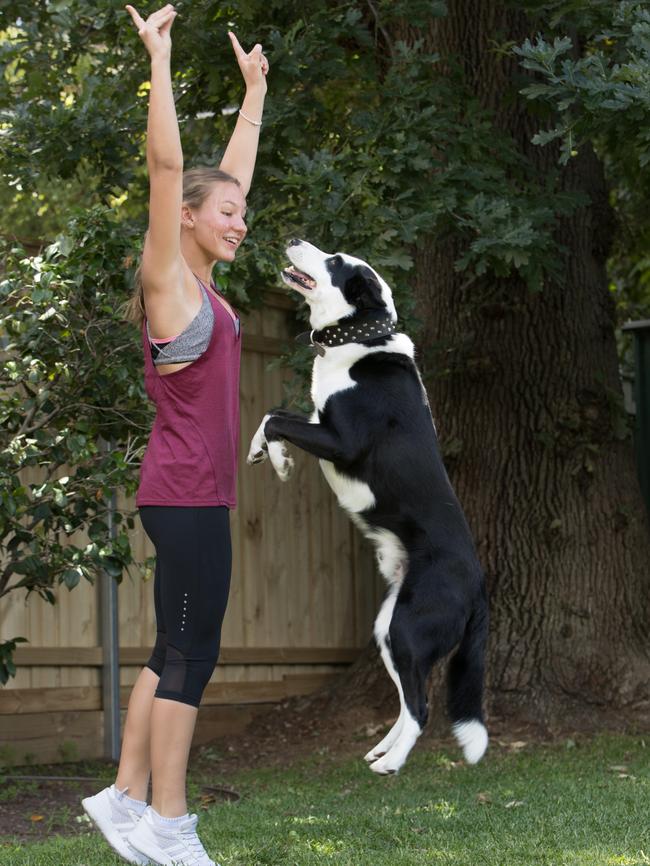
x=465 y=685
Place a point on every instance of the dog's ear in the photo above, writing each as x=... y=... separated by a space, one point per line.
x=363 y=291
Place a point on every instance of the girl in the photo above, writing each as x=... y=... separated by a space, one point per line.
x=192 y=344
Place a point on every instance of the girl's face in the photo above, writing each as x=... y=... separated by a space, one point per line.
x=219 y=226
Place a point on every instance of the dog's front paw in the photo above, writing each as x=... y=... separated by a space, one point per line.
x=257 y=456
x=258 y=452
x=282 y=463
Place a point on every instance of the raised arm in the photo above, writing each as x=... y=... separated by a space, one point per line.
x=240 y=155
x=161 y=257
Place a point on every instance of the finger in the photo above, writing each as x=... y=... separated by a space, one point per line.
x=265 y=64
x=256 y=49
x=162 y=11
x=156 y=17
x=166 y=25
x=162 y=22
x=239 y=51
x=137 y=20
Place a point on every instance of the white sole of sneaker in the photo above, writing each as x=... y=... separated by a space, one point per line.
x=155 y=855
x=111 y=835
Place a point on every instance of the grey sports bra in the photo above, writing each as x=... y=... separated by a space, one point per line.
x=191 y=343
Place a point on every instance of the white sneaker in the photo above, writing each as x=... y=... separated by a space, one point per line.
x=176 y=845
x=114 y=820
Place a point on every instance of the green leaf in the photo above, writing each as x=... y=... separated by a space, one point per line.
x=71 y=577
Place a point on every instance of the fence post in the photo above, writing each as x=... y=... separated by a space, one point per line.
x=641 y=333
x=111 y=649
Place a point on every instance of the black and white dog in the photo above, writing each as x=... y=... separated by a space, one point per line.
x=374 y=435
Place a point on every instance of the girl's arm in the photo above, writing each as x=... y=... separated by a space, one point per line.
x=161 y=257
x=240 y=155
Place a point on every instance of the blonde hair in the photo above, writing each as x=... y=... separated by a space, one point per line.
x=197 y=186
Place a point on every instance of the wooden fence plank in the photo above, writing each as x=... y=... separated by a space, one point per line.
x=81 y=656
x=276 y=530
x=49 y=700
x=38 y=701
x=92 y=656
x=224 y=721
x=57 y=736
x=279 y=300
x=53 y=737
x=263 y=345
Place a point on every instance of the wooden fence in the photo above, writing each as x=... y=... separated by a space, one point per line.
x=303 y=598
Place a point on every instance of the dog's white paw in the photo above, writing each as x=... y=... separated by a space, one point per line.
x=396 y=755
x=373 y=755
x=282 y=463
x=258 y=451
x=384 y=767
x=383 y=746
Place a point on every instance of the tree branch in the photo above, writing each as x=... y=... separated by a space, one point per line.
x=381 y=28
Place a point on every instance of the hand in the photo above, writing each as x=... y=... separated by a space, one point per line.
x=254 y=66
x=155 y=31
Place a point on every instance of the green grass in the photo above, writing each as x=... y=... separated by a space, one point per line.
x=584 y=804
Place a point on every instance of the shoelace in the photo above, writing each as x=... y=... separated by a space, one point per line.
x=188 y=832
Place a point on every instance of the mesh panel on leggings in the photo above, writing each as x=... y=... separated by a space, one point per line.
x=172 y=679
x=184 y=679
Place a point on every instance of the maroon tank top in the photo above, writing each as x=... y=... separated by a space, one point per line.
x=191 y=457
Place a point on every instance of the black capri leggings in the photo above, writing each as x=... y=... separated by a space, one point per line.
x=191 y=585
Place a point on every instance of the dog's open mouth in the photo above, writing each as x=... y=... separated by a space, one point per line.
x=293 y=276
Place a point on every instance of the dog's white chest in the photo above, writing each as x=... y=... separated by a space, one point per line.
x=331 y=373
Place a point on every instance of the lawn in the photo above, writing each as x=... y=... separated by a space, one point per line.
x=574 y=803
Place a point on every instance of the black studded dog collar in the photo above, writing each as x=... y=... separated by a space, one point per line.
x=357 y=329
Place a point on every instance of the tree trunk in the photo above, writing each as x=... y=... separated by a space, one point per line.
x=527 y=401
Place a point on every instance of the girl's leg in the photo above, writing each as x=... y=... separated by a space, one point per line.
x=193 y=550
x=135 y=756
x=135 y=760
x=172 y=729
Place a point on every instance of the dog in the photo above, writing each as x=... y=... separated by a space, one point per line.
x=374 y=435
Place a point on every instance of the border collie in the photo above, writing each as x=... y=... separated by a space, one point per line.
x=375 y=438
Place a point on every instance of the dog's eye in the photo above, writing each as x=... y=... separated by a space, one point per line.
x=335 y=261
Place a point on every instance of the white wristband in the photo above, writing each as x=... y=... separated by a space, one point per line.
x=249 y=119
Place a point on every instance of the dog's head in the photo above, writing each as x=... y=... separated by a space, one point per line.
x=336 y=286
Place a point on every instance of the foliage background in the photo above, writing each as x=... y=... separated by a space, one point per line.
x=369 y=145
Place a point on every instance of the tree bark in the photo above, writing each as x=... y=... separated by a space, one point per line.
x=527 y=399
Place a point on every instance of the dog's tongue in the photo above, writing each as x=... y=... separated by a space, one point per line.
x=310 y=282
x=301 y=274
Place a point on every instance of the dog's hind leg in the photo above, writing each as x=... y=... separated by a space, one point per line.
x=411 y=677
x=417 y=641
x=382 y=624
x=465 y=685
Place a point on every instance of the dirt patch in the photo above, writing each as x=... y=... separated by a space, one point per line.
x=34 y=810
x=318 y=725
x=291 y=730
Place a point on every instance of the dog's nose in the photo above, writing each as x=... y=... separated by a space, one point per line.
x=294 y=242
